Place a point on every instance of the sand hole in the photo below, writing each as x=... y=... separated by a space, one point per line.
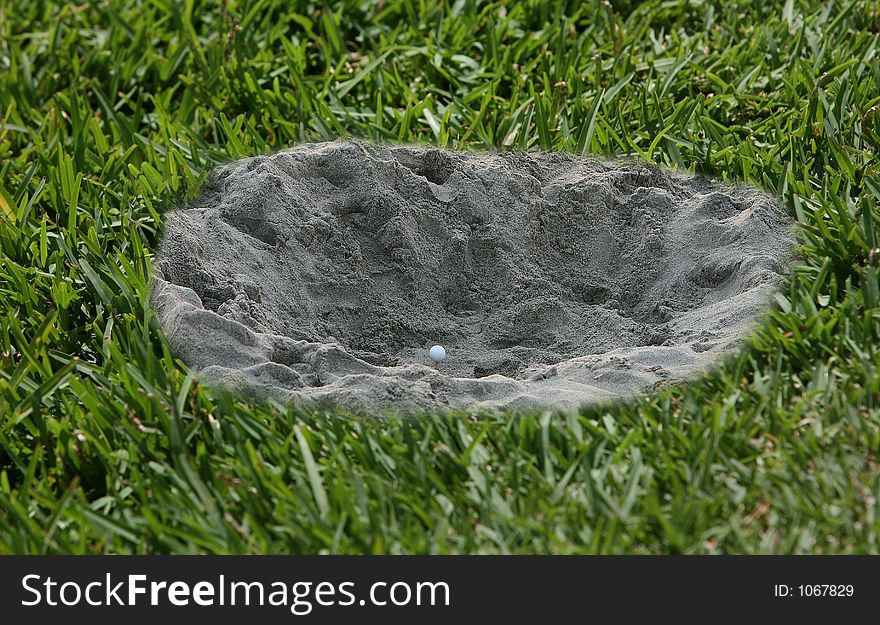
x=322 y=273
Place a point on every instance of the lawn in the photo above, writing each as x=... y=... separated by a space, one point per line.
x=113 y=113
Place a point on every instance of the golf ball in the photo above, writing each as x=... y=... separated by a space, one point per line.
x=437 y=353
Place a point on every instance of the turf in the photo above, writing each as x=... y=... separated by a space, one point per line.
x=112 y=112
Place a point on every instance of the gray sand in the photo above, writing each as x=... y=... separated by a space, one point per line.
x=321 y=274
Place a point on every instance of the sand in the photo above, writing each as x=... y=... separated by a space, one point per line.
x=321 y=275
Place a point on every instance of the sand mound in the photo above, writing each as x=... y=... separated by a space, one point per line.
x=320 y=274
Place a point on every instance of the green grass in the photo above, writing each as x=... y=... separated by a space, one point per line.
x=113 y=112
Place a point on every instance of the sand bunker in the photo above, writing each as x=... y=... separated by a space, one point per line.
x=321 y=274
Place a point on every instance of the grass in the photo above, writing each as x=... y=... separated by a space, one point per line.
x=112 y=112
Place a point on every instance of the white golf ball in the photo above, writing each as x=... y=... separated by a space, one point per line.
x=437 y=353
